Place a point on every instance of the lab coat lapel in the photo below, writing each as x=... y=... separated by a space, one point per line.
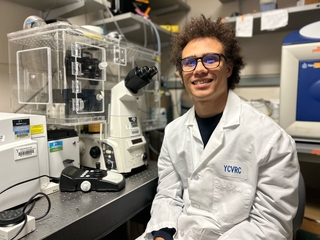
x=194 y=138
x=214 y=144
x=230 y=118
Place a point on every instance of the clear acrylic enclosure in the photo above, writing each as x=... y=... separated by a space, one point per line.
x=66 y=72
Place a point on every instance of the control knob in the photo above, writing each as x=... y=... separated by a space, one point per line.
x=95 y=152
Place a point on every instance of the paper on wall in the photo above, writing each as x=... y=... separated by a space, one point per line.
x=271 y=20
x=244 y=26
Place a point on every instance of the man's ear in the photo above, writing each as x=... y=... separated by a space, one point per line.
x=229 y=69
x=177 y=74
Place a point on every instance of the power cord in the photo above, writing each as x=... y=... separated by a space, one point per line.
x=52 y=179
x=16 y=216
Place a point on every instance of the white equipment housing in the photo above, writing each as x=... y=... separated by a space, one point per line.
x=124 y=149
x=23 y=155
x=125 y=139
x=300 y=84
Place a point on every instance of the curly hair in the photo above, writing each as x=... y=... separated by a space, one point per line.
x=204 y=27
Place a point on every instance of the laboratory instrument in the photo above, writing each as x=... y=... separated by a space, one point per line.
x=300 y=84
x=58 y=75
x=75 y=179
x=63 y=150
x=124 y=148
x=23 y=155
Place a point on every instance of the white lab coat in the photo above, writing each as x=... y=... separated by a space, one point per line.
x=244 y=184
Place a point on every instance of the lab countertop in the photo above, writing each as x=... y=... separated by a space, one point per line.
x=92 y=215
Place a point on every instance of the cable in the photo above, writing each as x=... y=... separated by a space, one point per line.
x=156 y=32
x=32 y=199
x=115 y=22
x=25 y=211
x=53 y=179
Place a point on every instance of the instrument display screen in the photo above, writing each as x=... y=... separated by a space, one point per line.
x=135 y=141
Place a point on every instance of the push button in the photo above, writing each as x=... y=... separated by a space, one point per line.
x=196 y=177
x=196 y=205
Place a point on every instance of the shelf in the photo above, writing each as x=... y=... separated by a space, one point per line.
x=299 y=16
x=260 y=81
x=246 y=81
x=163 y=7
x=65 y=8
x=71 y=8
x=226 y=1
x=310 y=148
x=136 y=29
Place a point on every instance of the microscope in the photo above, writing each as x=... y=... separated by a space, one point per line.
x=124 y=148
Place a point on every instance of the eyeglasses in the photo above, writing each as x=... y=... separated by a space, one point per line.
x=209 y=61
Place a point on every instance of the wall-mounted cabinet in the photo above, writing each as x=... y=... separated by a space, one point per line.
x=299 y=16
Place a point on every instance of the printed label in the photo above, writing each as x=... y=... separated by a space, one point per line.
x=55 y=146
x=21 y=128
x=135 y=132
x=36 y=129
x=25 y=152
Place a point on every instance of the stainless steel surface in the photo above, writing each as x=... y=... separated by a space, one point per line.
x=78 y=215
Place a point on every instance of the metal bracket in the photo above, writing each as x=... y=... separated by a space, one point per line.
x=120 y=56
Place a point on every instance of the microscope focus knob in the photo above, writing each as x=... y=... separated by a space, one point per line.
x=95 y=152
x=109 y=164
x=85 y=186
x=144 y=157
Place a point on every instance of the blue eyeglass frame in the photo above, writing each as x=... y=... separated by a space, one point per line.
x=201 y=58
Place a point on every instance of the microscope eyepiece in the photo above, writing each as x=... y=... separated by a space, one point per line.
x=139 y=77
x=152 y=71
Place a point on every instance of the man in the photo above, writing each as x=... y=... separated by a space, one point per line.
x=226 y=171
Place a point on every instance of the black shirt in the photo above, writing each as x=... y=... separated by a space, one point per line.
x=207 y=126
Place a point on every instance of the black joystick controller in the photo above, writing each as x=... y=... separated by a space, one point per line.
x=98 y=172
x=76 y=179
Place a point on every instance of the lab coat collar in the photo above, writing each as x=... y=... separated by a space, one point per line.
x=231 y=113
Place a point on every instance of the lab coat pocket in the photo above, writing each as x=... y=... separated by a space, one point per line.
x=231 y=201
x=203 y=234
